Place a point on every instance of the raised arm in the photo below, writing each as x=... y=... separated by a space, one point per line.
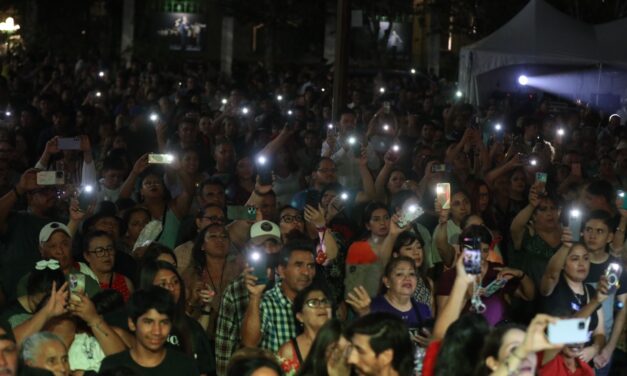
x=440 y=236
x=519 y=223
x=554 y=269
x=84 y=308
x=251 y=324
x=455 y=302
x=129 y=184
x=367 y=184
x=382 y=178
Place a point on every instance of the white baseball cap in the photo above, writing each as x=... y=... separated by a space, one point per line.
x=264 y=230
x=46 y=232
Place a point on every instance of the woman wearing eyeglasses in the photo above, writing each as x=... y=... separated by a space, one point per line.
x=312 y=309
x=99 y=252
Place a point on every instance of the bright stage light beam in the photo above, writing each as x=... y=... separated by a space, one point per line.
x=523 y=80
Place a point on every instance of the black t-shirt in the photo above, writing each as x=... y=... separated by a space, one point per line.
x=597 y=270
x=563 y=302
x=174 y=363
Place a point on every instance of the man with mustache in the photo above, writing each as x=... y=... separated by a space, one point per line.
x=268 y=322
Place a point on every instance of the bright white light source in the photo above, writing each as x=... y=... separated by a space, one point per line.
x=7 y=113
x=560 y=131
x=412 y=71
x=523 y=80
x=498 y=127
x=412 y=208
x=261 y=159
x=386 y=127
x=439 y=190
x=330 y=126
x=352 y=140
x=225 y=101
x=396 y=148
x=245 y=110
x=459 y=94
x=290 y=112
x=255 y=256
x=533 y=162
x=154 y=117
x=279 y=97
x=621 y=194
x=323 y=90
x=382 y=90
x=344 y=196
x=88 y=189
x=101 y=74
x=169 y=158
x=98 y=94
x=575 y=213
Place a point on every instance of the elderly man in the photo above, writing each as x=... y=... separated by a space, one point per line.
x=45 y=350
x=9 y=365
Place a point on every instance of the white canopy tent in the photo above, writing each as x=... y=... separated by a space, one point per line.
x=538 y=35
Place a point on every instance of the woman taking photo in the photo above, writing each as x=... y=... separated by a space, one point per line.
x=536 y=233
x=312 y=309
x=449 y=227
x=154 y=196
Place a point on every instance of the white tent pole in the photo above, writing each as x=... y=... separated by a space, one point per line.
x=599 y=84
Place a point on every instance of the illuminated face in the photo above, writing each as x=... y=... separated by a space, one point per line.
x=413 y=251
x=299 y=271
x=363 y=358
x=460 y=206
x=170 y=281
x=510 y=341
x=151 y=330
x=596 y=235
x=402 y=279
x=379 y=223
x=58 y=247
x=577 y=265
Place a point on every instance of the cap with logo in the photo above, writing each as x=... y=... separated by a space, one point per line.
x=264 y=230
x=46 y=232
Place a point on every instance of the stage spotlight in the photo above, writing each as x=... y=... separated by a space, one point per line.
x=523 y=80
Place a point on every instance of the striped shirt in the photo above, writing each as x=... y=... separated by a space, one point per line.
x=232 y=310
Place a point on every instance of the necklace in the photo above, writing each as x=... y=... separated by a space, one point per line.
x=217 y=289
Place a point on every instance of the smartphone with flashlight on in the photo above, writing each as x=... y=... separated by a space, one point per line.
x=160 y=158
x=264 y=171
x=85 y=197
x=472 y=255
x=409 y=214
x=69 y=143
x=542 y=177
x=77 y=285
x=258 y=261
x=621 y=195
x=613 y=273
x=574 y=224
x=443 y=194
x=354 y=145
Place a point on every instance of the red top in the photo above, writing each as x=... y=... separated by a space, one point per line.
x=360 y=253
x=428 y=363
x=556 y=367
x=118 y=284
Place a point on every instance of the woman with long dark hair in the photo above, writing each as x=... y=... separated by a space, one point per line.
x=327 y=354
x=409 y=244
x=187 y=335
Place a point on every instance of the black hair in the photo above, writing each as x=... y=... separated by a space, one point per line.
x=367 y=214
x=601 y=188
x=292 y=246
x=108 y=300
x=316 y=362
x=154 y=250
x=461 y=346
x=92 y=235
x=491 y=346
x=476 y=231
x=246 y=361
x=40 y=281
x=126 y=218
x=602 y=216
x=300 y=299
x=386 y=332
x=211 y=181
x=199 y=260
x=398 y=199
x=113 y=163
x=151 y=297
x=406 y=238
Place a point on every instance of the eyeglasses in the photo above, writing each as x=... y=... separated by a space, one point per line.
x=221 y=236
x=214 y=218
x=101 y=251
x=318 y=303
x=292 y=218
x=148 y=183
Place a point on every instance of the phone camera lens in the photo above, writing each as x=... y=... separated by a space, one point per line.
x=582 y=325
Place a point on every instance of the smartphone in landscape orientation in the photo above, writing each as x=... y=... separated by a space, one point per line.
x=259 y=262
x=574 y=224
x=160 y=158
x=438 y=167
x=613 y=273
x=69 y=143
x=241 y=213
x=443 y=192
x=471 y=254
x=50 y=178
x=569 y=331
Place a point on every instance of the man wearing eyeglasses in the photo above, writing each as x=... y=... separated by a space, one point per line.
x=269 y=321
x=264 y=236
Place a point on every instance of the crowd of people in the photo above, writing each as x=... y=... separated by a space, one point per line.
x=158 y=220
